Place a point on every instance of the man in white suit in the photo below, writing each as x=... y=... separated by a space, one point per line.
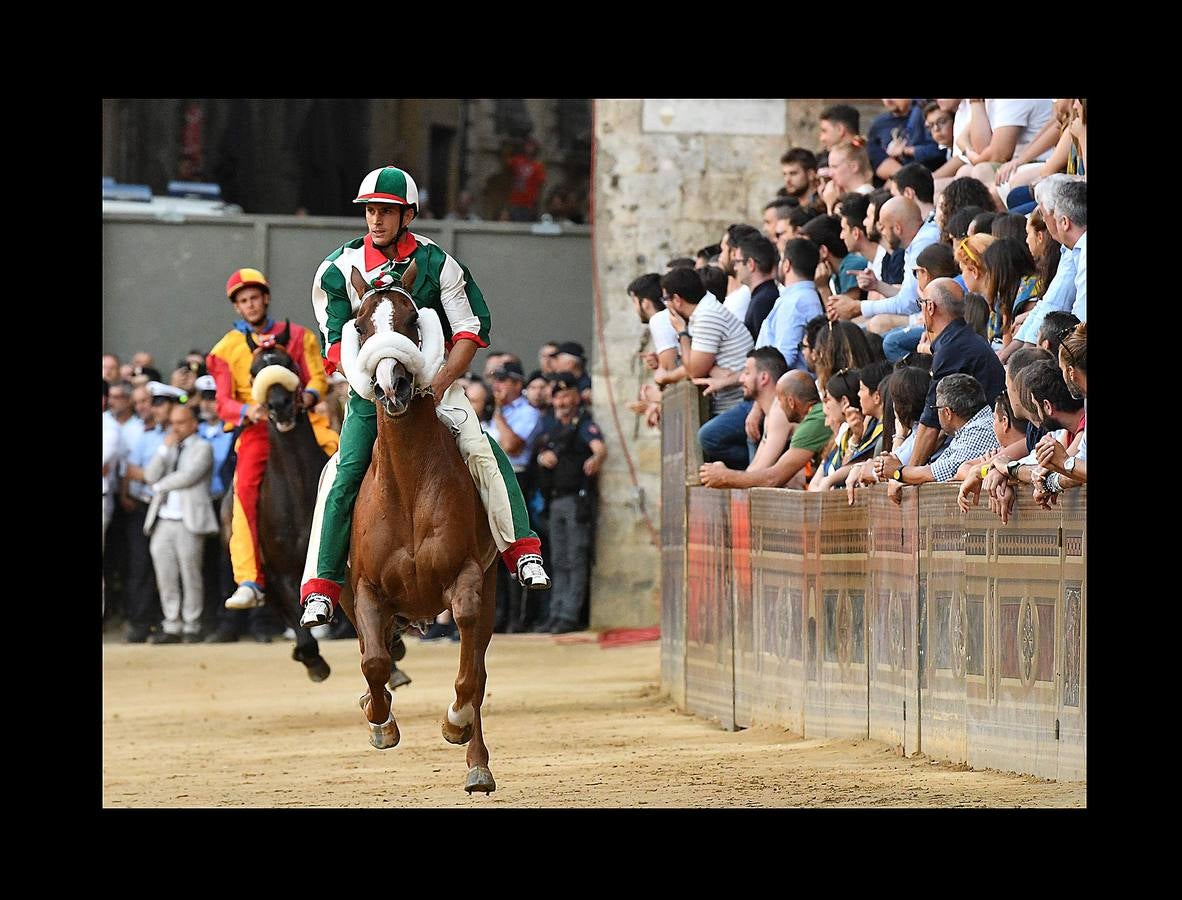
x=178 y=519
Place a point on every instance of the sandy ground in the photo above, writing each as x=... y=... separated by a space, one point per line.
x=567 y=725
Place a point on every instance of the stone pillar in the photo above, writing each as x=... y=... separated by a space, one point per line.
x=669 y=177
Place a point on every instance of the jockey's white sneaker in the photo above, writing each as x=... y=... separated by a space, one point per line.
x=531 y=574
x=246 y=597
x=317 y=611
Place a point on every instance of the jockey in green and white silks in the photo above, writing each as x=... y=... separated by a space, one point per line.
x=446 y=286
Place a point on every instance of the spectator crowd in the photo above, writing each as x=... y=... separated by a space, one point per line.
x=169 y=462
x=910 y=308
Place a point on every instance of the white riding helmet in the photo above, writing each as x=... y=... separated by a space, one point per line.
x=389 y=184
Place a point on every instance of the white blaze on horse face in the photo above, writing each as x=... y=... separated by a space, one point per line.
x=383 y=317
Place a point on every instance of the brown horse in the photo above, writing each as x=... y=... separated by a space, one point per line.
x=420 y=542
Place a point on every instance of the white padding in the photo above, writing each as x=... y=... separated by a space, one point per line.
x=270 y=376
x=386 y=344
x=350 y=341
x=463 y=718
x=360 y=363
x=431 y=334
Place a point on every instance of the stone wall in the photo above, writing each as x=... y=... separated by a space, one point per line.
x=659 y=195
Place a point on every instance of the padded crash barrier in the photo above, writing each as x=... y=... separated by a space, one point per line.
x=939 y=632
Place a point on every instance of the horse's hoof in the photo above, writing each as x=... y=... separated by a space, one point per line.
x=398 y=649
x=384 y=737
x=398 y=678
x=480 y=779
x=454 y=734
x=318 y=669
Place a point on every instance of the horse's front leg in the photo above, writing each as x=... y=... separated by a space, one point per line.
x=473 y=608
x=375 y=666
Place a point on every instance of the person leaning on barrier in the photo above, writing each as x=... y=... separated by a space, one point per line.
x=1014 y=464
x=1066 y=471
x=955 y=350
x=796 y=394
x=758 y=378
x=963 y=413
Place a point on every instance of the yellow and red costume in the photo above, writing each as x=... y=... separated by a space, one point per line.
x=229 y=364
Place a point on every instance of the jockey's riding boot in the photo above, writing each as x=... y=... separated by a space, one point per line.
x=248 y=596
x=531 y=574
x=318 y=610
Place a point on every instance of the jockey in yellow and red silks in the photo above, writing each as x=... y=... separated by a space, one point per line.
x=229 y=364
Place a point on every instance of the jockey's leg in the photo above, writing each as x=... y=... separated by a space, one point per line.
x=356 y=449
x=508 y=517
x=328 y=439
x=253 y=450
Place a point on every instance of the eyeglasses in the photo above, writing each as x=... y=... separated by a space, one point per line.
x=940 y=122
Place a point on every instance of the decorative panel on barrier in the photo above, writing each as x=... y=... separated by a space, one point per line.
x=774 y=677
x=1073 y=669
x=743 y=608
x=944 y=625
x=673 y=514
x=709 y=608
x=893 y=565
x=836 y=691
x=1012 y=707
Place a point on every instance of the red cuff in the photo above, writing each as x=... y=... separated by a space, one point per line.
x=332 y=360
x=330 y=589
x=469 y=336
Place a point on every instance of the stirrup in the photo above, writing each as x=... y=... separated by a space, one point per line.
x=531 y=574
x=318 y=610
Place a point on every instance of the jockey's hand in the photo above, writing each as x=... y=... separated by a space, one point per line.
x=440 y=383
x=309 y=399
x=548 y=459
x=257 y=412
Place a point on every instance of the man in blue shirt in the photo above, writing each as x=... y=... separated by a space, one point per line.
x=898 y=137
x=956 y=348
x=513 y=426
x=902 y=224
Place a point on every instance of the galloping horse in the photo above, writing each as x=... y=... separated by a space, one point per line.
x=288 y=493
x=420 y=541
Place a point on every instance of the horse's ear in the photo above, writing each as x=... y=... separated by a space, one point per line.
x=409 y=276
x=250 y=344
x=358 y=282
x=286 y=335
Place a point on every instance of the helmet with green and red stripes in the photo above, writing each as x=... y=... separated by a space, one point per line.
x=389 y=184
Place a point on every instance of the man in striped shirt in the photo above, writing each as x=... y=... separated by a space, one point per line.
x=710 y=338
x=391 y=201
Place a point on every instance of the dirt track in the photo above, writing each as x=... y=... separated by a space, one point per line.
x=568 y=725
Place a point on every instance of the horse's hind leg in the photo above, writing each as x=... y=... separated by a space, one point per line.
x=474 y=610
x=375 y=666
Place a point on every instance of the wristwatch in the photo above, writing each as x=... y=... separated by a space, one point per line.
x=897 y=475
x=1069 y=466
x=684 y=334
x=1012 y=468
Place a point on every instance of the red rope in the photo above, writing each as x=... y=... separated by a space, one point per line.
x=611 y=398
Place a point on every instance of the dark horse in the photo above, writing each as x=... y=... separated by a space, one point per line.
x=288 y=494
x=420 y=542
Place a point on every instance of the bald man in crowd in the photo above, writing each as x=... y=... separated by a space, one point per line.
x=902 y=225
x=956 y=349
x=796 y=392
